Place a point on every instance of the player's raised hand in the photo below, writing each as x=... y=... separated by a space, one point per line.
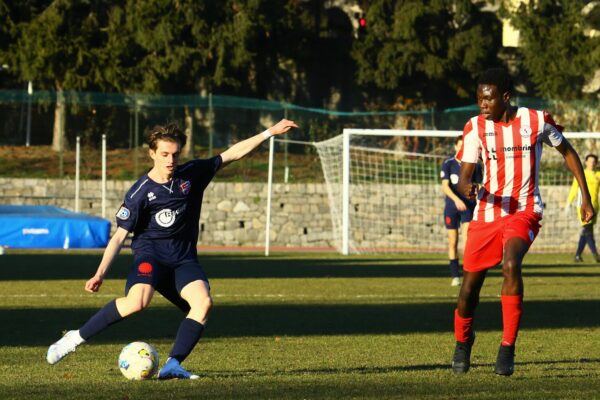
x=282 y=127
x=93 y=284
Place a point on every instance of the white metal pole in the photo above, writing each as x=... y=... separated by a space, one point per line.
x=345 y=193
x=30 y=94
x=77 y=164
x=286 y=171
x=269 y=195
x=103 y=176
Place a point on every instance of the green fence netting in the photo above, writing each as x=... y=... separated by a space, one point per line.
x=220 y=120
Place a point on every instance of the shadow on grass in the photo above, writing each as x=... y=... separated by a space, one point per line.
x=327 y=371
x=50 y=267
x=381 y=370
x=83 y=266
x=41 y=326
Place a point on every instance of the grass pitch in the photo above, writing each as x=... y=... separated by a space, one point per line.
x=305 y=326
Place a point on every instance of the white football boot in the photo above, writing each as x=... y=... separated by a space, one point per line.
x=67 y=344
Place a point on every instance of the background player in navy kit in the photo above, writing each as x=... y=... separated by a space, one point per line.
x=458 y=210
x=162 y=210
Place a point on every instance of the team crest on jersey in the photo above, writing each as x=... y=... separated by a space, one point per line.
x=166 y=217
x=123 y=213
x=185 y=187
x=151 y=196
x=525 y=131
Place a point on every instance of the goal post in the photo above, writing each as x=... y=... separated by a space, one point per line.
x=346 y=173
x=385 y=191
x=350 y=148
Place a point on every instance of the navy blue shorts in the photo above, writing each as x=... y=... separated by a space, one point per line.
x=166 y=279
x=454 y=218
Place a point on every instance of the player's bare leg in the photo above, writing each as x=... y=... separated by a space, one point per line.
x=197 y=294
x=138 y=298
x=468 y=299
x=512 y=301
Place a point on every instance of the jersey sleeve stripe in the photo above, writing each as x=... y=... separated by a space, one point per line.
x=533 y=160
x=515 y=191
x=501 y=171
x=479 y=214
x=138 y=189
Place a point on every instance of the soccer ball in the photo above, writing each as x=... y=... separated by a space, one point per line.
x=138 y=361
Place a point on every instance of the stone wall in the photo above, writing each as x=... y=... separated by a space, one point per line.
x=234 y=214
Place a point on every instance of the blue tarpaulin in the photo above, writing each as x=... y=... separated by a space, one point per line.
x=50 y=227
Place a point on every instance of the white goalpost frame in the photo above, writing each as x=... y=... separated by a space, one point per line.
x=269 y=195
x=346 y=192
x=345 y=234
x=346 y=164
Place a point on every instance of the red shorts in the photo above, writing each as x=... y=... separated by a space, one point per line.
x=486 y=240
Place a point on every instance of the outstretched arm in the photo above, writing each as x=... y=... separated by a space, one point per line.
x=112 y=250
x=574 y=165
x=241 y=149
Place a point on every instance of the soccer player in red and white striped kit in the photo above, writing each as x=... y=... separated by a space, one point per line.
x=509 y=207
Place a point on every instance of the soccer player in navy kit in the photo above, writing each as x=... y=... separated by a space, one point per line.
x=162 y=210
x=458 y=210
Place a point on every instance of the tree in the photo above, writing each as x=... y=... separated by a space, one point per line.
x=430 y=51
x=55 y=47
x=558 y=56
x=254 y=48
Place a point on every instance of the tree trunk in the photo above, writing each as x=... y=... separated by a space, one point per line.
x=187 y=150
x=59 y=138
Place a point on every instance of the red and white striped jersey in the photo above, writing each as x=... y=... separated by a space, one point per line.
x=511 y=154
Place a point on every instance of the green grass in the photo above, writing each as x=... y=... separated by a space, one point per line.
x=304 y=327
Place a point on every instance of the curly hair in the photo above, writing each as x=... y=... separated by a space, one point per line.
x=498 y=77
x=168 y=133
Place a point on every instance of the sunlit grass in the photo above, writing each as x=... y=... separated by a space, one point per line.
x=304 y=326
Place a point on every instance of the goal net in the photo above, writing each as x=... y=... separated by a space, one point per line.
x=385 y=192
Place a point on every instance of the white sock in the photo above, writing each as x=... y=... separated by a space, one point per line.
x=77 y=338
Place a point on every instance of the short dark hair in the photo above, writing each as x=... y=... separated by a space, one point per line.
x=168 y=133
x=498 y=77
x=458 y=139
x=595 y=157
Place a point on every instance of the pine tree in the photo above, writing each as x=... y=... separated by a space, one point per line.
x=557 y=54
x=428 y=50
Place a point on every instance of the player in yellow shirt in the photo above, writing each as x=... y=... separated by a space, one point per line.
x=592 y=178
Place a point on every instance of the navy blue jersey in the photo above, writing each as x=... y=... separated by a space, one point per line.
x=164 y=218
x=451 y=171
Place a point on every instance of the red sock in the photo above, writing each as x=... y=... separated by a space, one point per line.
x=462 y=327
x=512 y=308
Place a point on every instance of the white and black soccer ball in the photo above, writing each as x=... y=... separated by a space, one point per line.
x=138 y=361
